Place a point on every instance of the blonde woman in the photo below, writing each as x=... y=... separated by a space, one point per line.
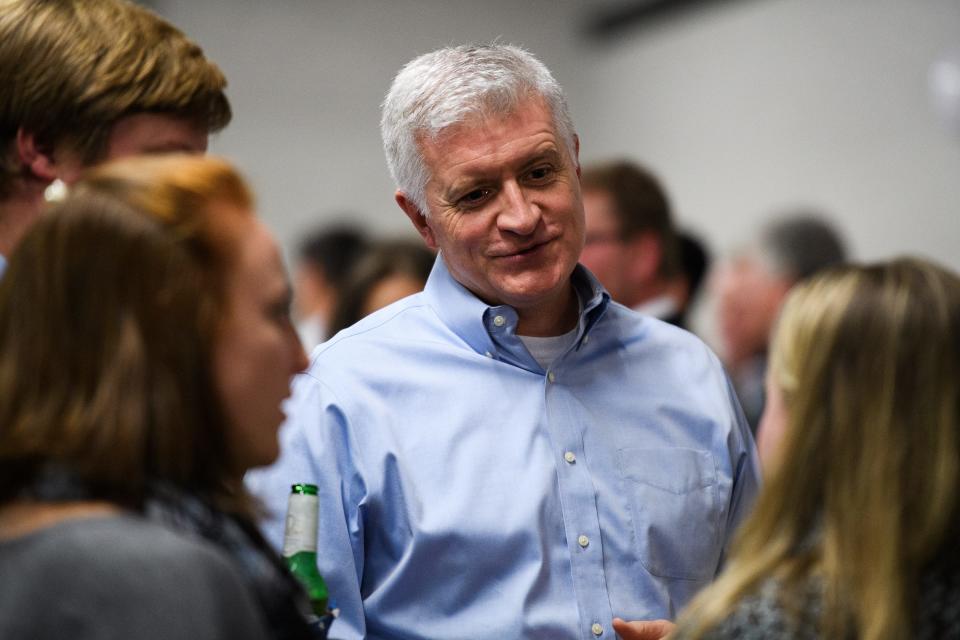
x=854 y=534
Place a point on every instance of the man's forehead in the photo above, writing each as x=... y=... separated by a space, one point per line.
x=509 y=135
x=483 y=115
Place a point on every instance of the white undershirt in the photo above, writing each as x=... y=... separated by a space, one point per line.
x=546 y=350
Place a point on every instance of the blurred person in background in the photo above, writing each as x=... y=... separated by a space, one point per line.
x=89 y=80
x=324 y=261
x=750 y=288
x=145 y=349
x=631 y=244
x=685 y=287
x=854 y=533
x=390 y=271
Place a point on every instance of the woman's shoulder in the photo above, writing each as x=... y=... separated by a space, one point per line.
x=116 y=545
x=765 y=614
x=121 y=573
x=938 y=598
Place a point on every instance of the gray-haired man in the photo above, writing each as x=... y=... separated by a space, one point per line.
x=508 y=454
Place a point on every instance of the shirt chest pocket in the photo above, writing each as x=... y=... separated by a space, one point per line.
x=672 y=496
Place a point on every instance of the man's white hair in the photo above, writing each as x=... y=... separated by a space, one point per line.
x=445 y=87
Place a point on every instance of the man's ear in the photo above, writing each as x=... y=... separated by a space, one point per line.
x=36 y=157
x=418 y=219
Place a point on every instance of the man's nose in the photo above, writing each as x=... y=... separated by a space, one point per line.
x=519 y=215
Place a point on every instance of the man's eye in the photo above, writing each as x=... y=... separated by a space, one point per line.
x=475 y=197
x=540 y=174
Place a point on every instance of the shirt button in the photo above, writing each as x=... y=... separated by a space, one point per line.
x=586 y=339
x=499 y=321
x=583 y=541
x=488 y=354
x=570 y=457
x=597 y=629
x=552 y=377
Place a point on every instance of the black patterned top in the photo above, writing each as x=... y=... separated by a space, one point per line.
x=762 y=615
x=282 y=600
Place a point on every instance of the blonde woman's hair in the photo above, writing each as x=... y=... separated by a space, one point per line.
x=109 y=310
x=865 y=494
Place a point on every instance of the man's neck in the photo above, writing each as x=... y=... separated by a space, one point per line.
x=552 y=318
x=17 y=213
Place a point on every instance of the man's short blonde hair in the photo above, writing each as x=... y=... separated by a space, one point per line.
x=71 y=68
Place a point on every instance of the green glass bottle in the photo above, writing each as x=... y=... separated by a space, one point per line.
x=300 y=545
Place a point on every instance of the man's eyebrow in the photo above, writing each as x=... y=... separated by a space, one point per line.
x=549 y=153
x=470 y=181
x=545 y=151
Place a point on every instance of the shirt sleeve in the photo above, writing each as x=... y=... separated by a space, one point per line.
x=317 y=447
x=746 y=469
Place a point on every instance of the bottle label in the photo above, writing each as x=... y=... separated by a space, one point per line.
x=301 y=529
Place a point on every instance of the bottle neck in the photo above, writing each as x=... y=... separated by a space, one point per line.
x=301 y=528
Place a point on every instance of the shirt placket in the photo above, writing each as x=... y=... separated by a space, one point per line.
x=581 y=518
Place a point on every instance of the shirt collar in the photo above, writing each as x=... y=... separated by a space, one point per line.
x=469 y=317
x=660 y=307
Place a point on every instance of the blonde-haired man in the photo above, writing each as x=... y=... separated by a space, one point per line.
x=85 y=81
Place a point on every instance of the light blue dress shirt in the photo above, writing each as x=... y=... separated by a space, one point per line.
x=3 y=265
x=465 y=492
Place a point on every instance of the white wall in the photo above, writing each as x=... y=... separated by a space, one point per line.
x=742 y=108
x=307 y=78
x=753 y=106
